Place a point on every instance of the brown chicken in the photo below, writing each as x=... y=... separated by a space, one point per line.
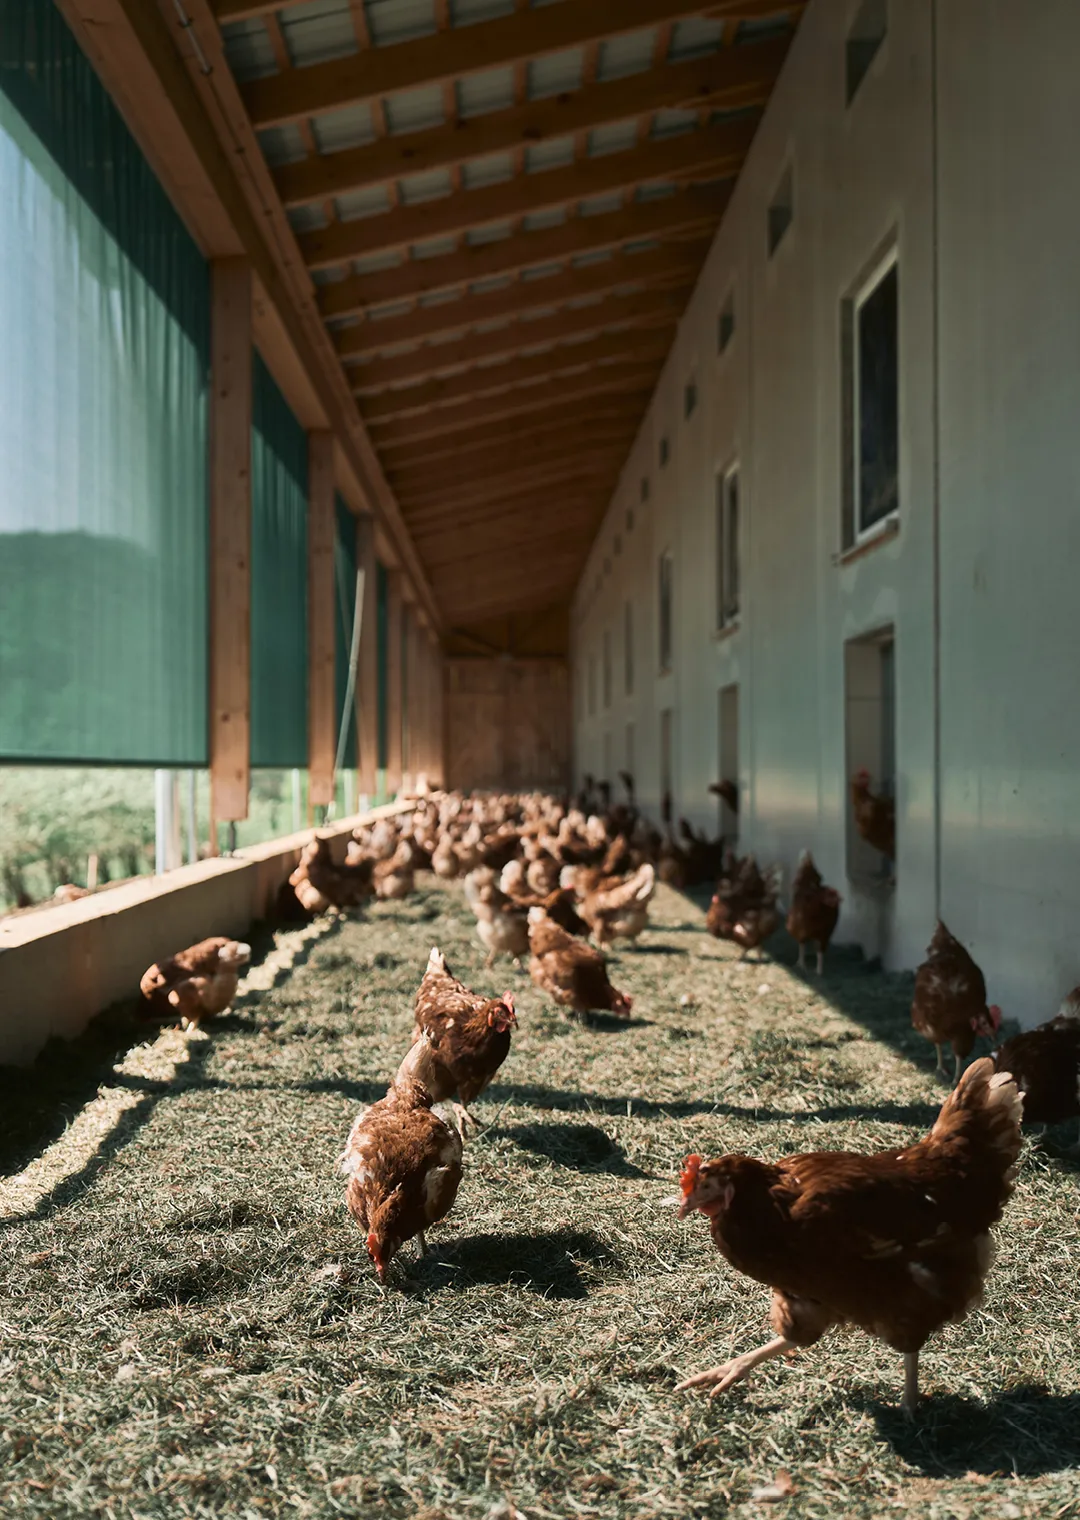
x=815 y=909
x=897 y=1243
x=404 y=1168
x=1045 y=1064
x=320 y=883
x=500 y=920
x=744 y=906
x=949 y=1005
x=396 y=878
x=572 y=973
x=728 y=792
x=199 y=982
x=875 y=817
x=620 y=909
x=460 y=1039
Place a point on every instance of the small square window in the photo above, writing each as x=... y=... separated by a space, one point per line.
x=727 y=548
x=665 y=451
x=644 y=488
x=781 y=211
x=864 y=40
x=725 y=324
x=690 y=399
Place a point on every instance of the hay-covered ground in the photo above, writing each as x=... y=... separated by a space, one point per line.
x=191 y=1326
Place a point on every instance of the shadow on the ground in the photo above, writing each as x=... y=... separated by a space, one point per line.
x=1024 y=1431
x=583 y=1147
x=550 y=1263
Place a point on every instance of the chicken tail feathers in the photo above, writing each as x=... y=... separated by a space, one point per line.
x=980 y=1122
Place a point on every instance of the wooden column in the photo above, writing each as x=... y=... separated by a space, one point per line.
x=230 y=541
x=367 y=676
x=413 y=678
x=393 y=684
x=322 y=612
x=438 y=715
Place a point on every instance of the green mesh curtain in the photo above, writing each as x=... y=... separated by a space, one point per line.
x=104 y=354
x=279 y=491
x=345 y=578
x=382 y=632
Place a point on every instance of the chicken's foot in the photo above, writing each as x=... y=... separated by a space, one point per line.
x=940 y=1060
x=729 y=1373
x=820 y=961
x=911 y=1383
x=801 y=962
x=464 y=1117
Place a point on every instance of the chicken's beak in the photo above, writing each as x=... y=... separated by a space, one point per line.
x=687 y=1206
x=376 y=1256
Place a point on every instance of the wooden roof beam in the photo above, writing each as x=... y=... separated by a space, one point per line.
x=652 y=268
x=383 y=71
x=453 y=391
x=537 y=538
x=715 y=152
x=733 y=79
x=592 y=388
x=686 y=214
x=535 y=448
x=639 y=309
x=432 y=502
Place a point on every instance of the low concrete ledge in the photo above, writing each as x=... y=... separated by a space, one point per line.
x=59 y=966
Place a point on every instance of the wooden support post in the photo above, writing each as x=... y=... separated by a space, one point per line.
x=438 y=714
x=230 y=542
x=367 y=677
x=322 y=612
x=393 y=684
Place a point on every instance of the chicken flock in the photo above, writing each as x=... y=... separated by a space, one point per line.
x=897 y=1243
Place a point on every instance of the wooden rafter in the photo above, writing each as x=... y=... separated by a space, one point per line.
x=735 y=79
x=667 y=265
x=442 y=498
x=466 y=50
x=686 y=214
x=528 y=539
x=536 y=447
x=638 y=309
x=534 y=402
x=711 y=153
x=568 y=359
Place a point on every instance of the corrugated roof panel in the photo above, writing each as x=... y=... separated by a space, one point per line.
x=248 y=50
x=318 y=31
x=631 y=54
x=493 y=90
x=415 y=110
x=496 y=324
x=555 y=73
x=434 y=248
x=429 y=186
x=391 y=21
x=367 y=202
x=597 y=205
x=641 y=245
x=582 y=303
x=332 y=277
x=282 y=145
x=348 y=128
x=468 y=12
x=309 y=218
x=763 y=26
x=452 y=335
x=536 y=221
x=695 y=37
x=491 y=282
x=492 y=170
x=476 y=237
x=554 y=154
x=372 y=263
x=672 y=123
x=613 y=138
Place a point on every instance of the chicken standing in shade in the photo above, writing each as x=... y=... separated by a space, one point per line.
x=897 y=1243
x=815 y=909
x=404 y=1168
x=744 y=906
x=573 y=974
x=949 y=1005
x=460 y=1040
x=1045 y=1064
x=198 y=982
x=320 y=883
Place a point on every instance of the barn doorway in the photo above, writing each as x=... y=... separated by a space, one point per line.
x=728 y=751
x=870 y=704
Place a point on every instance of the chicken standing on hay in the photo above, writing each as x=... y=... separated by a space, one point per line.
x=815 y=909
x=1045 y=1063
x=404 y=1168
x=949 y=1004
x=897 y=1243
x=320 y=883
x=460 y=1040
x=199 y=982
x=573 y=974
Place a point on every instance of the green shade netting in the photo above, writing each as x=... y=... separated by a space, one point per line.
x=279 y=527
x=104 y=357
x=345 y=604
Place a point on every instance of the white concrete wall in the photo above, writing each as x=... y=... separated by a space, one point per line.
x=969 y=177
